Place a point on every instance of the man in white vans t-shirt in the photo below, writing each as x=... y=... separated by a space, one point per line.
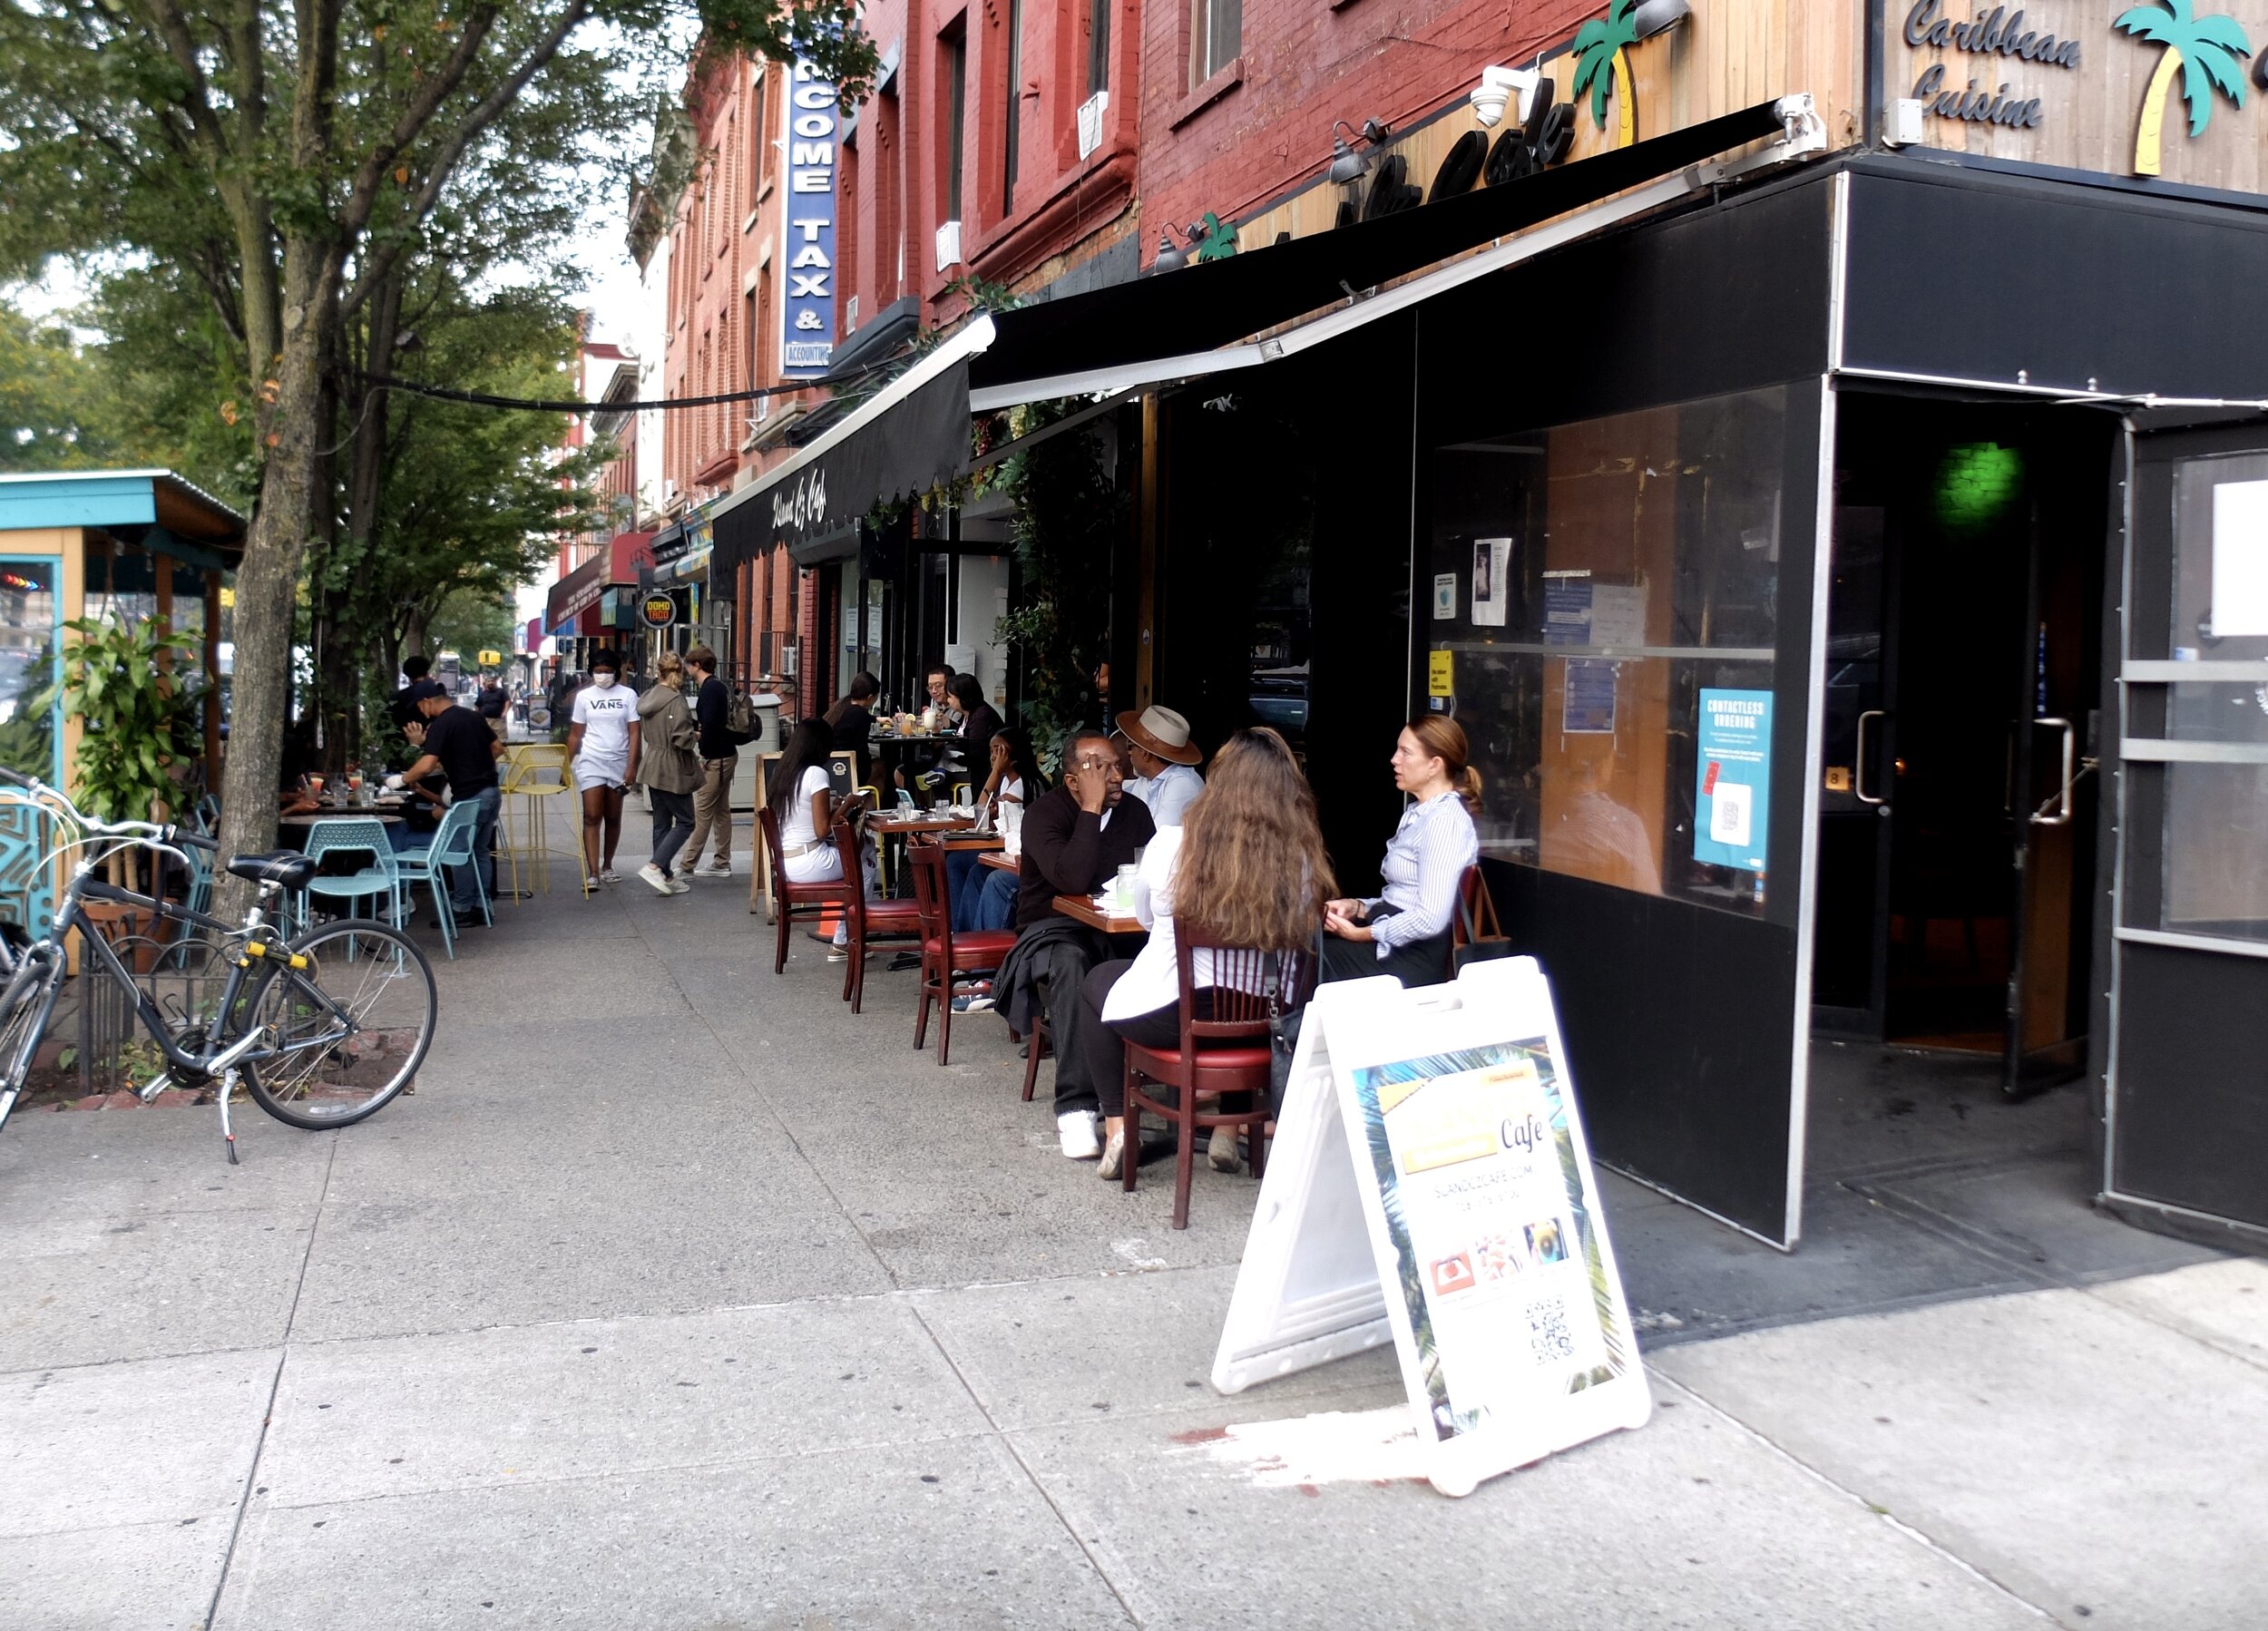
x=602 y=748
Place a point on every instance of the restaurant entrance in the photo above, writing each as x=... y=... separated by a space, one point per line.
x=1957 y=862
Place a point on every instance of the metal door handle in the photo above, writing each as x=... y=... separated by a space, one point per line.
x=2062 y=798
x=1858 y=771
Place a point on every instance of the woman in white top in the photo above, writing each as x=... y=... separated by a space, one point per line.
x=1246 y=868
x=603 y=747
x=804 y=795
x=1405 y=931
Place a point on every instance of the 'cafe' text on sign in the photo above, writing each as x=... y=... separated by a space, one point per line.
x=808 y=314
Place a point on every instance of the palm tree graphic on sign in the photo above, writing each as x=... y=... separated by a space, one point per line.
x=2205 y=49
x=1600 y=47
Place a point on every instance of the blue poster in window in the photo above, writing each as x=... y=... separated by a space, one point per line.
x=806 y=347
x=1732 y=803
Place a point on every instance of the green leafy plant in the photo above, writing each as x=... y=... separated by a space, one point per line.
x=135 y=717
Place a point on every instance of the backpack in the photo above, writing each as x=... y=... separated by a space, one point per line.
x=740 y=721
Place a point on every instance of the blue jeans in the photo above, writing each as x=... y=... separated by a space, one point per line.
x=463 y=897
x=991 y=907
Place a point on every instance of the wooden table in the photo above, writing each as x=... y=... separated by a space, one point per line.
x=1001 y=862
x=989 y=842
x=310 y=819
x=1081 y=910
x=923 y=820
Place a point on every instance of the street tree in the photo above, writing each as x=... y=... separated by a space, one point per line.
x=289 y=156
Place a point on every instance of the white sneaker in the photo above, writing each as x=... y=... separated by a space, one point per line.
x=591 y=885
x=1080 y=1134
x=610 y=876
x=678 y=885
x=718 y=869
x=655 y=879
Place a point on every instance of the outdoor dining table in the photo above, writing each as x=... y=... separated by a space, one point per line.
x=1001 y=861
x=884 y=825
x=1080 y=909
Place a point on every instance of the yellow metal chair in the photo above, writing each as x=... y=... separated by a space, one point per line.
x=536 y=773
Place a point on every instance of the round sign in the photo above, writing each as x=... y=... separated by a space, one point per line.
x=659 y=611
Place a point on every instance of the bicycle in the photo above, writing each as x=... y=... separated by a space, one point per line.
x=322 y=1029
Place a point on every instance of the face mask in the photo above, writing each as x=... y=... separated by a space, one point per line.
x=603 y=679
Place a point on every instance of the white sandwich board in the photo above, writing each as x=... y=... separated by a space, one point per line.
x=1430 y=1186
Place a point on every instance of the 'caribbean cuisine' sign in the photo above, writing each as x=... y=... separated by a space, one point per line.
x=2019 y=68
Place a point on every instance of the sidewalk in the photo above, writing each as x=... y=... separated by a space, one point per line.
x=680 y=1298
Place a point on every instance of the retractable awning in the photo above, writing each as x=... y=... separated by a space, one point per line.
x=1176 y=321
x=909 y=436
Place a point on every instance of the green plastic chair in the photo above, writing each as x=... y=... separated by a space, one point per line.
x=382 y=879
x=452 y=845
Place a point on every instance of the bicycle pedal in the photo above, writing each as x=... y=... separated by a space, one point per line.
x=164 y=1081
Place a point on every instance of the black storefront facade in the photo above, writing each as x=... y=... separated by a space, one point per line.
x=1820 y=558
x=1914 y=465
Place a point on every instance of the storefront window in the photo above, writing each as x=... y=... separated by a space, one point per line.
x=2216 y=804
x=1603 y=623
x=28 y=645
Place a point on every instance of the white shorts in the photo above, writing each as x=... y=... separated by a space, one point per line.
x=589 y=774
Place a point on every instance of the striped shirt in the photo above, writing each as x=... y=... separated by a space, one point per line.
x=1424 y=863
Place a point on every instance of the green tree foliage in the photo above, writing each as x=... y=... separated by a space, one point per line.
x=287 y=163
x=55 y=410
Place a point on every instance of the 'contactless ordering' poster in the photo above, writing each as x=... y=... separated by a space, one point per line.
x=1730 y=810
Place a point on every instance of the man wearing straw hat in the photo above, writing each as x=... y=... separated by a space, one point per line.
x=1165 y=778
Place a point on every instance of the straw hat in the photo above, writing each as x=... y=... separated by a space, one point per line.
x=1161 y=731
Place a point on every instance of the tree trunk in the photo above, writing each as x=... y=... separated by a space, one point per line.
x=345 y=591
x=267 y=581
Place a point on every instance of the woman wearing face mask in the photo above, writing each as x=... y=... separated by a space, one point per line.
x=603 y=747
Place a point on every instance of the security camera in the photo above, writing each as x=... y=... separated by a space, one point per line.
x=1497 y=87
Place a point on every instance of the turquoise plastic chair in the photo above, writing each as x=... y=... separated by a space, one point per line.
x=452 y=845
x=382 y=879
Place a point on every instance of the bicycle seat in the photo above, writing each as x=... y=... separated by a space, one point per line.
x=288 y=867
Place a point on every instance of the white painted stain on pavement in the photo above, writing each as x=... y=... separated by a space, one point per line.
x=1334 y=1447
x=1130 y=1249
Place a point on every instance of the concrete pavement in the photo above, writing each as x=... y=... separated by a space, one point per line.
x=678 y=1296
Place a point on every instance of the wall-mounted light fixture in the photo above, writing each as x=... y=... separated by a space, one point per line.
x=1497 y=86
x=1652 y=16
x=1347 y=163
x=1173 y=257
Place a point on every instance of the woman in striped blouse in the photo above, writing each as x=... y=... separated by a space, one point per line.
x=1405 y=931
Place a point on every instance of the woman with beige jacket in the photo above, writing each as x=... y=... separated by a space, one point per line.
x=669 y=769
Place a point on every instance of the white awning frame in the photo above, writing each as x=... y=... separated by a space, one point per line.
x=967 y=342
x=1805 y=135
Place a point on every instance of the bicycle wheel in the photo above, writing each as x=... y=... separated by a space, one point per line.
x=348 y=1032
x=22 y=1006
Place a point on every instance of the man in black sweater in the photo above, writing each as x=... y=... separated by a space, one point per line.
x=1076 y=836
x=720 y=756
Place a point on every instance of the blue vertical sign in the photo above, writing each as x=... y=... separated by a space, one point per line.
x=807 y=315
x=1732 y=804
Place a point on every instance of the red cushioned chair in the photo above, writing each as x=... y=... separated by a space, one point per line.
x=806 y=901
x=1227 y=1053
x=946 y=956
x=868 y=920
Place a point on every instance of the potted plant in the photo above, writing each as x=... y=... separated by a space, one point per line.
x=135 y=712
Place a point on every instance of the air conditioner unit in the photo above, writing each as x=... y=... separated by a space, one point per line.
x=1091 y=113
x=948 y=246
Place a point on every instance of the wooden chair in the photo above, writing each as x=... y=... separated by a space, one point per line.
x=867 y=918
x=841 y=774
x=798 y=900
x=1227 y=1053
x=945 y=955
x=1475 y=920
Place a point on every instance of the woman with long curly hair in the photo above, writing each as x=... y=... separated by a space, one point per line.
x=1246 y=869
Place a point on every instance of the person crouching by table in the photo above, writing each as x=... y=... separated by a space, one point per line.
x=1076 y=836
x=1405 y=931
x=1227 y=874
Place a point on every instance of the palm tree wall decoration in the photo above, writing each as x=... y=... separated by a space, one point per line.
x=1601 y=53
x=2205 y=49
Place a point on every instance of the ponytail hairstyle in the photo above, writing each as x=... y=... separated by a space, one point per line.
x=1443 y=738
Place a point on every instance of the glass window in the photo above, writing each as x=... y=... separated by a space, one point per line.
x=27 y=667
x=1216 y=38
x=1603 y=608
x=2216 y=807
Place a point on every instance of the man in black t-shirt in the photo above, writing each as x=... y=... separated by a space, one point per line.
x=459 y=744
x=403 y=708
x=720 y=757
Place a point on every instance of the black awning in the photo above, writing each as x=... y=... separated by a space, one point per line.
x=1213 y=303
x=918 y=443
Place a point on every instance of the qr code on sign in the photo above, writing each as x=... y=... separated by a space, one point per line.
x=1548 y=1335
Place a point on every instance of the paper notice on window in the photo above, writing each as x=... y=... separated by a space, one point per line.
x=2240 y=560
x=1617 y=615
